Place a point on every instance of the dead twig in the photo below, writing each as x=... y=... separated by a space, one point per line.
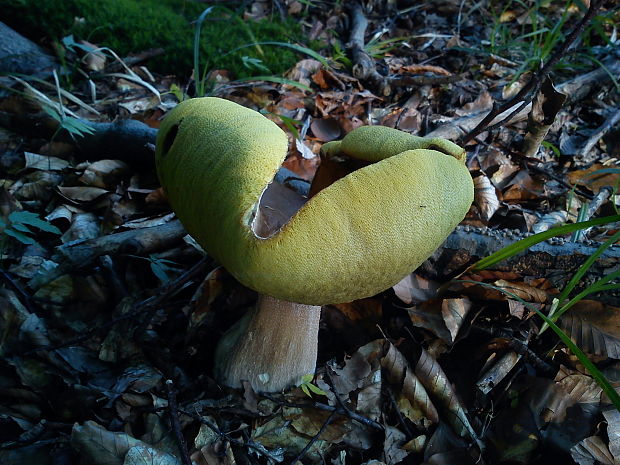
x=173 y=410
x=262 y=450
x=364 y=67
x=314 y=439
x=320 y=406
x=600 y=132
x=529 y=90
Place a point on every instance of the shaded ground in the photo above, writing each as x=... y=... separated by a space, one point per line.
x=91 y=331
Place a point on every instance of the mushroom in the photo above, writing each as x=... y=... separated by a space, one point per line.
x=353 y=239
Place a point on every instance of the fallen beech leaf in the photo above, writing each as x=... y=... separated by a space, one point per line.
x=593 y=179
x=523 y=187
x=82 y=194
x=392 y=443
x=485 y=197
x=523 y=291
x=429 y=316
x=613 y=430
x=414 y=289
x=454 y=312
x=43 y=162
x=482 y=103
x=595 y=327
x=435 y=380
x=592 y=450
x=413 y=400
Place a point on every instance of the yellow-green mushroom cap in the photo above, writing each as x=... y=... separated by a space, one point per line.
x=355 y=238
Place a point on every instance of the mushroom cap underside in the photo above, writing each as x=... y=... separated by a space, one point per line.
x=355 y=238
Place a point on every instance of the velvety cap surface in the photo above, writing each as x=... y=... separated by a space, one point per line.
x=355 y=238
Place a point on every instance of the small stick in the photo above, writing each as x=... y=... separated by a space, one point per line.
x=320 y=406
x=314 y=439
x=235 y=442
x=600 y=132
x=173 y=410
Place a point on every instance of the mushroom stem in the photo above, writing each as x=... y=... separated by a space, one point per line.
x=272 y=347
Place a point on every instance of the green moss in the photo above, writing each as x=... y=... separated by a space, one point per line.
x=128 y=26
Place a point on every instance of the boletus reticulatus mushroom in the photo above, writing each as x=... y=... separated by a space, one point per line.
x=353 y=239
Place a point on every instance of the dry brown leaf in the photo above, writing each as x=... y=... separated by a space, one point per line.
x=485 y=197
x=613 y=430
x=351 y=376
x=591 y=179
x=414 y=289
x=454 y=312
x=592 y=451
x=497 y=166
x=392 y=443
x=482 y=103
x=326 y=129
x=43 y=162
x=303 y=71
x=364 y=309
x=84 y=225
x=420 y=69
x=429 y=316
x=523 y=187
x=523 y=291
x=82 y=194
x=413 y=400
x=594 y=327
x=430 y=373
x=579 y=388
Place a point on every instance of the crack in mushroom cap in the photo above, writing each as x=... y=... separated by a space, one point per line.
x=355 y=238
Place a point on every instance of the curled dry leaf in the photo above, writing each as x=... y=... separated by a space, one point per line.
x=412 y=400
x=523 y=187
x=523 y=291
x=394 y=440
x=429 y=316
x=84 y=225
x=497 y=372
x=326 y=129
x=454 y=312
x=485 y=197
x=141 y=455
x=414 y=289
x=482 y=103
x=430 y=373
x=104 y=173
x=498 y=166
x=98 y=445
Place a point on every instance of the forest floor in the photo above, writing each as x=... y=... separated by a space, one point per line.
x=110 y=313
